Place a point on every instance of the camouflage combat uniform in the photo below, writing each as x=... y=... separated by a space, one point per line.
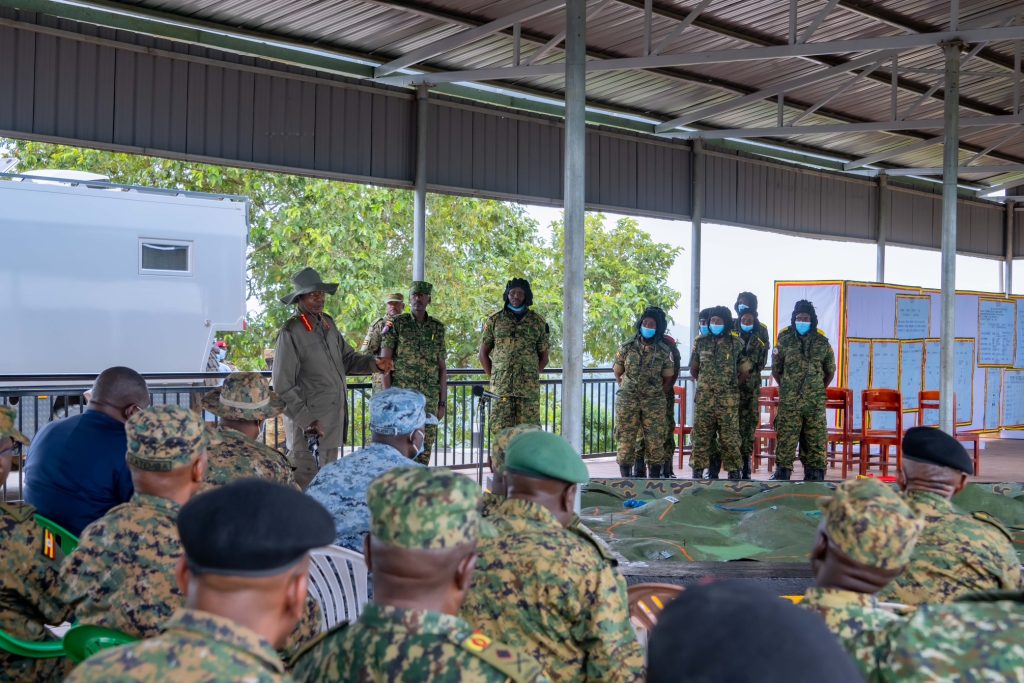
x=753 y=359
x=803 y=362
x=640 y=402
x=856 y=619
x=29 y=591
x=516 y=343
x=716 y=360
x=372 y=344
x=237 y=457
x=554 y=594
x=670 y=411
x=956 y=554
x=193 y=647
x=419 y=351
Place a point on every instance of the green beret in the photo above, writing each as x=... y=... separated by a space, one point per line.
x=421 y=287
x=546 y=455
x=165 y=437
x=418 y=508
x=871 y=524
x=501 y=441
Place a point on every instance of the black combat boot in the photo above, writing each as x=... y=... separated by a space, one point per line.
x=814 y=475
x=735 y=474
x=746 y=467
x=781 y=474
x=655 y=471
x=625 y=471
x=712 y=474
x=715 y=467
x=666 y=471
x=640 y=469
x=698 y=473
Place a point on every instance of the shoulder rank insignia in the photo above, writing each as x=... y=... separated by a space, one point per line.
x=989 y=519
x=518 y=667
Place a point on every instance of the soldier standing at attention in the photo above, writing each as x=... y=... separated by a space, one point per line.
x=513 y=352
x=245 y=572
x=394 y=306
x=643 y=370
x=957 y=553
x=421 y=550
x=416 y=345
x=715 y=367
x=753 y=358
x=747 y=301
x=640 y=463
x=803 y=365
x=311 y=361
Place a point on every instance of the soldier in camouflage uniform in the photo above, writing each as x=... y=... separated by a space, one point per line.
x=394 y=306
x=544 y=582
x=639 y=463
x=423 y=531
x=715 y=367
x=513 y=352
x=753 y=359
x=243 y=404
x=747 y=301
x=714 y=456
x=803 y=365
x=29 y=562
x=493 y=498
x=416 y=344
x=246 y=568
x=643 y=369
x=957 y=553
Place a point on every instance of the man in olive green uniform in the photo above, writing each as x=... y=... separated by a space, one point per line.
x=753 y=359
x=513 y=352
x=957 y=553
x=548 y=587
x=421 y=550
x=416 y=345
x=243 y=404
x=29 y=581
x=245 y=571
x=394 y=306
x=803 y=365
x=643 y=370
x=311 y=361
x=715 y=366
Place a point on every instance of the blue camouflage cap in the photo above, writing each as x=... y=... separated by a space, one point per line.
x=399 y=411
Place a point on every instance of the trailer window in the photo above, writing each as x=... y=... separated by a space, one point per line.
x=164 y=256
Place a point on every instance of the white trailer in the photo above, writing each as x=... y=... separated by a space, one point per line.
x=94 y=274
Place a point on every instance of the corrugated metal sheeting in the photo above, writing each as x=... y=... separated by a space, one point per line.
x=80 y=84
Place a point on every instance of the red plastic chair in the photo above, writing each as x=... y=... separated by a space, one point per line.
x=881 y=401
x=682 y=430
x=840 y=399
x=764 y=436
x=929 y=400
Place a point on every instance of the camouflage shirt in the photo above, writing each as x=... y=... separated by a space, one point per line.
x=553 y=594
x=237 y=457
x=516 y=345
x=803 y=362
x=716 y=359
x=395 y=644
x=29 y=590
x=856 y=619
x=956 y=553
x=753 y=357
x=372 y=344
x=122 y=574
x=419 y=351
x=644 y=367
x=194 y=647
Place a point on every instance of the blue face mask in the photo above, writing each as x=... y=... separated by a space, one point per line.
x=222 y=354
x=516 y=309
x=703 y=330
x=742 y=307
x=746 y=328
x=716 y=329
x=648 y=332
x=802 y=327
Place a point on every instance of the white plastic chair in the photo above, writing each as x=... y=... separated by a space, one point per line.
x=337 y=580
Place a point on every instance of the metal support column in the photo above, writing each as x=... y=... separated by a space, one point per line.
x=574 y=193
x=883 y=226
x=950 y=161
x=1011 y=208
x=696 y=219
x=419 y=212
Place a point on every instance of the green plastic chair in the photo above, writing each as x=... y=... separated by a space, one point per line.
x=33 y=649
x=68 y=541
x=84 y=640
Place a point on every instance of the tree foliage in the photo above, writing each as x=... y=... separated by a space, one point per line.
x=361 y=237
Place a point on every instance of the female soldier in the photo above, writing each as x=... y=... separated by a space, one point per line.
x=753 y=358
x=643 y=369
x=714 y=365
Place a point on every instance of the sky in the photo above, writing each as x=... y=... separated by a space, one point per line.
x=740 y=259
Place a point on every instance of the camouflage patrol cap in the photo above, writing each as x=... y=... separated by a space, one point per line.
x=7 y=429
x=871 y=524
x=399 y=411
x=501 y=441
x=244 y=396
x=395 y=297
x=417 y=508
x=546 y=455
x=165 y=437
x=421 y=287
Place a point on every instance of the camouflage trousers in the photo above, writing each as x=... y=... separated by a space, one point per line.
x=639 y=417
x=749 y=416
x=670 y=433
x=716 y=431
x=428 y=444
x=509 y=411
x=802 y=425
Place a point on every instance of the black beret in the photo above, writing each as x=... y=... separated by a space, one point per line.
x=251 y=527
x=930 y=444
x=740 y=612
